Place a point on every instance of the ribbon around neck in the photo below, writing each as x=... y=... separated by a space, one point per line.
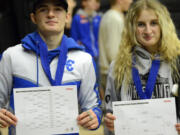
x=61 y=60
x=147 y=94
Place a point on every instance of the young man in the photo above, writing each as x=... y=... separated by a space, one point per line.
x=49 y=58
x=85 y=27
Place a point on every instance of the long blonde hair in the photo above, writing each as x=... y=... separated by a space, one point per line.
x=169 y=47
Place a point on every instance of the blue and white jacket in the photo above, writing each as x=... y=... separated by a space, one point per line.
x=30 y=64
x=85 y=29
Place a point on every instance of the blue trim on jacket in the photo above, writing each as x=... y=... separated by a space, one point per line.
x=0 y=56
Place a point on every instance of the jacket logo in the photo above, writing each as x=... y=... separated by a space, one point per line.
x=69 y=65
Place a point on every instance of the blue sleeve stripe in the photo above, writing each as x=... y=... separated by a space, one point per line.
x=95 y=67
x=97 y=94
x=98 y=113
x=97 y=110
x=0 y=56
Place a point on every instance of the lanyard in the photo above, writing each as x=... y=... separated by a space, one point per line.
x=150 y=82
x=61 y=61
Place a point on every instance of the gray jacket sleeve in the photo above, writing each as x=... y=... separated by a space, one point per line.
x=5 y=78
x=110 y=93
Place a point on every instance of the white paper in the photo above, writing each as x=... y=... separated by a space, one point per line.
x=145 y=117
x=46 y=110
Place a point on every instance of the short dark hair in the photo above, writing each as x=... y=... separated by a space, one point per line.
x=62 y=3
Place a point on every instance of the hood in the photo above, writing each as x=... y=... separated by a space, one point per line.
x=35 y=43
x=31 y=42
x=142 y=59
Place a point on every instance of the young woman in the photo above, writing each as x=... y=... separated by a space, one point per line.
x=149 y=51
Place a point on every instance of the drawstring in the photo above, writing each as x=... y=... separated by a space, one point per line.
x=37 y=65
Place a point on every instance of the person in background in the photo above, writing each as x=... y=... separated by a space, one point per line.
x=47 y=57
x=148 y=63
x=98 y=5
x=71 y=6
x=111 y=26
x=85 y=27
